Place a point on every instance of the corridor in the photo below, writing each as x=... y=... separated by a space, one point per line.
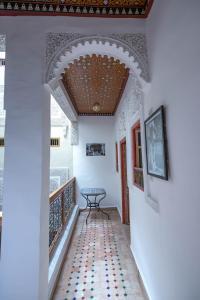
x=99 y=264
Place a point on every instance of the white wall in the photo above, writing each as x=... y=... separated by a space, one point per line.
x=62 y=156
x=165 y=242
x=128 y=113
x=172 y=261
x=2 y=125
x=96 y=171
x=25 y=220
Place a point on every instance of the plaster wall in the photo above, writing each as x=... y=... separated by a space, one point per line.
x=169 y=252
x=164 y=239
x=2 y=112
x=96 y=171
x=42 y=25
x=62 y=156
x=25 y=218
x=128 y=113
x=2 y=125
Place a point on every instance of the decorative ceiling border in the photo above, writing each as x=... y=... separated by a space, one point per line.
x=60 y=8
x=61 y=45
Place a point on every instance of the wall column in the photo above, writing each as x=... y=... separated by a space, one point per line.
x=24 y=249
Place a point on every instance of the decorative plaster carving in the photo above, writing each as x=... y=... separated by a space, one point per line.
x=2 y=43
x=60 y=97
x=74 y=133
x=130 y=105
x=134 y=98
x=122 y=124
x=63 y=48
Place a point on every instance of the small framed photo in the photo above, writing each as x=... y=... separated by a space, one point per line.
x=95 y=150
x=156 y=146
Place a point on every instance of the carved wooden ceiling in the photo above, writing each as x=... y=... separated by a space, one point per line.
x=95 y=84
x=91 y=8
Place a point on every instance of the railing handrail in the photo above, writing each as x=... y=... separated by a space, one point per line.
x=55 y=193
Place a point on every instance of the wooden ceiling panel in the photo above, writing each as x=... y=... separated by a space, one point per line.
x=95 y=79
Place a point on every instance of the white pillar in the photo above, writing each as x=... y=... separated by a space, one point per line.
x=24 y=251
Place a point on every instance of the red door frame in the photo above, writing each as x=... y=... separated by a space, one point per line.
x=124 y=186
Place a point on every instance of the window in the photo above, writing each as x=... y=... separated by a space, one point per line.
x=2 y=143
x=137 y=157
x=55 y=142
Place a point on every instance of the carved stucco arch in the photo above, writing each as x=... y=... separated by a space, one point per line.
x=130 y=49
x=63 y=49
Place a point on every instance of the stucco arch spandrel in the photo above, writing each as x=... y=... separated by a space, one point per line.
x=63 y=48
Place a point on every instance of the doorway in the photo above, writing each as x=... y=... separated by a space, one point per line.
x=124 y=183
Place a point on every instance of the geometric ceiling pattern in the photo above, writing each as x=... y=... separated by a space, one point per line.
x=94 y=80
x=88 y=8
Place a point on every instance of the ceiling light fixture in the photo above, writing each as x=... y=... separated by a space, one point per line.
x=96 y=107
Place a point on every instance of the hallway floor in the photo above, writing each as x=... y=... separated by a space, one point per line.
x=99 y=263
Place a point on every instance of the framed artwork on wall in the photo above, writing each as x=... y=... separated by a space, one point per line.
x=156 y=146
x=95 y=149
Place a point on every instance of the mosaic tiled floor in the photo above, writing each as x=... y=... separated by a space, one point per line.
x=99 y=265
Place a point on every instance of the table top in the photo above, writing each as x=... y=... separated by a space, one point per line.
x=92 y=191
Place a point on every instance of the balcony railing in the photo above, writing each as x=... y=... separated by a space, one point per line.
x=61 y=204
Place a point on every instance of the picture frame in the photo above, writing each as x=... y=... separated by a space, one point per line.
x=156 y=145
x=95 y=149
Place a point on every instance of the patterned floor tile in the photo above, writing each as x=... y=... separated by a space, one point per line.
x=99 y=265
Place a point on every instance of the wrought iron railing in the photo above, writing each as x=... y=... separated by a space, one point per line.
x=61 y=204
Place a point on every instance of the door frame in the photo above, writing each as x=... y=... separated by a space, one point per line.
x=124 y=205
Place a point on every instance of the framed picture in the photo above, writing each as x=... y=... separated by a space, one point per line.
x=95 y=150
x=156 y=146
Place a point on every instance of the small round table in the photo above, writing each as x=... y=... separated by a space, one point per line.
x=87 y=193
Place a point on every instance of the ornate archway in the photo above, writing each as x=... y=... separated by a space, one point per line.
x=64 y=48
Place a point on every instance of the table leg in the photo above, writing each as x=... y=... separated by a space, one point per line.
x=89 y=210
x=86 y=198
x=101 y=210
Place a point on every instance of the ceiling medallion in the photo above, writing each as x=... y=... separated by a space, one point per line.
x=96 y=107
